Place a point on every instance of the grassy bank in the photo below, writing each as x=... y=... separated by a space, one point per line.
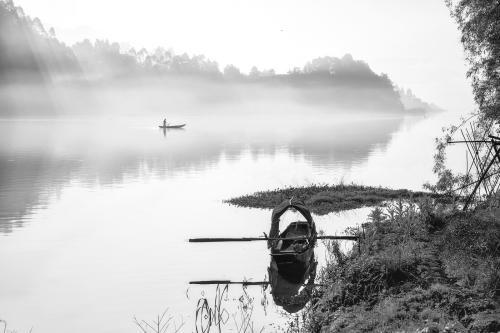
x=421 y=269
x=324 y=199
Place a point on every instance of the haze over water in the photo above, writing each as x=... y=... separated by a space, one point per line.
x=95 y=212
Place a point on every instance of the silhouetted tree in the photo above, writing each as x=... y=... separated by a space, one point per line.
x=254 y=72
x=479 y=22
x=268 y=73
x=27 y=46
x=105 y=59
x=232 y=72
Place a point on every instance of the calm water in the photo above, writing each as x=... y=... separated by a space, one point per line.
x=95 y=214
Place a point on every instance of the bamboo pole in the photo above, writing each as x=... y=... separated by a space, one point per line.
x=474 y=182
x=468 y=141
x=479 y=182
x=495 y=140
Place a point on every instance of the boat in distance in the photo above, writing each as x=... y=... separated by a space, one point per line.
x=172 y=126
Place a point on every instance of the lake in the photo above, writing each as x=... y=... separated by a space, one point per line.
x=95 y=213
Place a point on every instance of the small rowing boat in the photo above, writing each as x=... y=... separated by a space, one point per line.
x=293 y=267
x=172 y=126
x=296 y=242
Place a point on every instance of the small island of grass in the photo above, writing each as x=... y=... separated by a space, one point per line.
x=324 y=199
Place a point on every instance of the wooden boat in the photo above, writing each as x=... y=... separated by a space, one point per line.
x=296 y=243
x=172 y=126
x=293 y=264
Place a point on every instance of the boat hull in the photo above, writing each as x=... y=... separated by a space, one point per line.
x=301 y=254
x=290 y=264
x=172 y=126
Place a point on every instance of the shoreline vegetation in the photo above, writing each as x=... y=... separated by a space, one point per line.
x=325 y=199
x=424 y=265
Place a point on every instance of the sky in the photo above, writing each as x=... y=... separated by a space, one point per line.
x=415 y=42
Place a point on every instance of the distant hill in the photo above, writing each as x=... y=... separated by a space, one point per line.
x=28 y=51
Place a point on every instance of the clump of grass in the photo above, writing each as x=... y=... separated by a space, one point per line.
x=420 y=266
x=470 y=246
x=161 y=324
x=216 y=317
x=324 y=199
x=3 y=327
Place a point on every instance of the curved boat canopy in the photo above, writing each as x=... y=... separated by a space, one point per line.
x=282 y=208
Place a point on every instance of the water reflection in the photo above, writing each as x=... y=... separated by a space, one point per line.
x=291 y=273
x=39 y=157
x=292 y=284
x=108 y=201
x=164 y=130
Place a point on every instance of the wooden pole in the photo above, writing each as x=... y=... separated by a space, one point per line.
x=468 y=141
x=250 y=239
x=497 y=153
x=474 y=182
x=469 y=199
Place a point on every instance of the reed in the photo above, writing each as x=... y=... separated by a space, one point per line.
x=161 y=324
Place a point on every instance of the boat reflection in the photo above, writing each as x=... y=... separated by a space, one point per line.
x=292 y=270
x=292 y=284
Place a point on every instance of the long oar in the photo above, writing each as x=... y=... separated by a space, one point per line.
x=250 y=239
x=245 y=283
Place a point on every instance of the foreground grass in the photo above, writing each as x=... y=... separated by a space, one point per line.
x=420 y=269
x=324 y=199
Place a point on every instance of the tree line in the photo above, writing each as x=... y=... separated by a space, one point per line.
x=27 y=47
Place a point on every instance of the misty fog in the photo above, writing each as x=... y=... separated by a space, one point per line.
x=97 y=200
